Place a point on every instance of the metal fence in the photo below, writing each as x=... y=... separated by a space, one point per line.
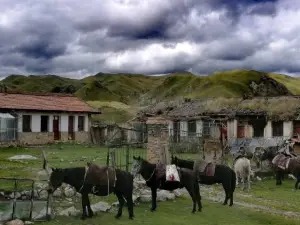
x=120 y=152
x=19 y=199
x=8 y=127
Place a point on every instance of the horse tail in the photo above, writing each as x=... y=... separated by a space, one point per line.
x=233 y=181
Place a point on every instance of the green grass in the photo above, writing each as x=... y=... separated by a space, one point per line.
x=179 y=212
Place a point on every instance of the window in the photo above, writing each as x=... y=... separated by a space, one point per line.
x=296 y=128
x=277 y=129
x=26 y=123
x=192 y=128
x=80 y=123
x=44 y=123
x=206 y=128
x=258 y=131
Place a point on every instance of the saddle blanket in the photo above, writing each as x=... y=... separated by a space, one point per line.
x=281 y=161
x=204 y=168
x=172 y=173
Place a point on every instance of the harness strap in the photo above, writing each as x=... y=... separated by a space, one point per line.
x=86 y=170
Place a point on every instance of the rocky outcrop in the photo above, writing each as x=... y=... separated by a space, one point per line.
x=267 y=87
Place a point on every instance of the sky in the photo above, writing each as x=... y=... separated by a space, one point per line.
x=76 y=38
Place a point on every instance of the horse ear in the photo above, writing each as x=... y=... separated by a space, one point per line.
x=139 y=158
x=134 y=158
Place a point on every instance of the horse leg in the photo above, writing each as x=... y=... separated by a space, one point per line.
x=198 y=196
x=130 y=205
x=192 y=194
x=249 y=182
x=121 y=204
x=278 y=178
x=225 y=184
x=91 y=213
x=154 y=195
x=84 y=200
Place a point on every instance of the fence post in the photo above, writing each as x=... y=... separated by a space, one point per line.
x=127 y=158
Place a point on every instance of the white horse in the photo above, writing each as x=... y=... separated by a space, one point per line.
x=242 y=169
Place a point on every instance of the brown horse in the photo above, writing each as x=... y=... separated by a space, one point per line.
x=97 y=180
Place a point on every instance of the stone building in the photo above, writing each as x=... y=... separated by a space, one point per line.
x=258 y=121
x=43 y=118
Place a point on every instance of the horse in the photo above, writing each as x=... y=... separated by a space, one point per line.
x=283 y=161
x=242 y=169
x=155 y=177
x=98 y=180
x=222 y=174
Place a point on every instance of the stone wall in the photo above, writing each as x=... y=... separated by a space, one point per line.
x=39 y=138
x=158 y=140
x=82 y=136
x=35 y=138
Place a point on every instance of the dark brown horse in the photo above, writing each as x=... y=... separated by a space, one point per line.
x=155 y=176
x=97 y=180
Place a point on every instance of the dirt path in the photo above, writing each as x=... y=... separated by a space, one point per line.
x=206 y=193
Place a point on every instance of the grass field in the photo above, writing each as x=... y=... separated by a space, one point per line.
x=263 y=193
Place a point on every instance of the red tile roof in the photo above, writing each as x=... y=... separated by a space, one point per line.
x=44 y=102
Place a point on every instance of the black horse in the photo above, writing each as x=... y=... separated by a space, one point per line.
x=223 y=174
x=155 y=178
x=97 y=180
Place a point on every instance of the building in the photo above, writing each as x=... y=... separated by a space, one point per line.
x=43 y=118
x=267 y=120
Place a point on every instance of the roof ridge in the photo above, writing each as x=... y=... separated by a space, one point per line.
x=38 y=93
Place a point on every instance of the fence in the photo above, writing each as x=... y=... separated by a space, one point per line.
x=8 y=127
x=120 y=152
x=23 y=201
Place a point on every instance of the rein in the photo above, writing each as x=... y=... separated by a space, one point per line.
x=151 y=175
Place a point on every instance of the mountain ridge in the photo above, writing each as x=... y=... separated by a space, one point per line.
x=141 y=90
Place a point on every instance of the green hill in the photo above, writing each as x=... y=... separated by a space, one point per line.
x=140 y=90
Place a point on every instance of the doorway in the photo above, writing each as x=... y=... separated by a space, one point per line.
x=56 y=131
x=71 y=128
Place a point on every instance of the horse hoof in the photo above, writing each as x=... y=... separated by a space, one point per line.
x=117 y=216
x=152 y=210
x=199 y=210
x=82 y=217
x=131 y=217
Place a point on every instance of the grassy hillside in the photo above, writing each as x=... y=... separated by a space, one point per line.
x=112 y=92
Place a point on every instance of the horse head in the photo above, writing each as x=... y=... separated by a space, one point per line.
x=136 y=165
x=174 y=160
x=56 y=179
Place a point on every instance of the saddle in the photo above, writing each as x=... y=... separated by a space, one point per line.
x=281 y=161
x=97 y=175
x=204 y=168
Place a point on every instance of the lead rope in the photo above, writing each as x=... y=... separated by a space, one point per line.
x=86 y=171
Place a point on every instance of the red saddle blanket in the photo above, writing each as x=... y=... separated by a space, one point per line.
x=281 y=161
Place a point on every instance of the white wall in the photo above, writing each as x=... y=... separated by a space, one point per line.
x=287 y=128
x=63 y=121
x=183 y=128
x=268 y=130
x=199 y=128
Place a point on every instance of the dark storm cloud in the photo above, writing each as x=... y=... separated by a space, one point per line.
x=74 y=38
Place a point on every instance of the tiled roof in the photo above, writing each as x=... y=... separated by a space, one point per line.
x=44 y=102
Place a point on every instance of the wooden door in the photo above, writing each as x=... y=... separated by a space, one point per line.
x=71 y=128
x=56 y=128
x=241 y=131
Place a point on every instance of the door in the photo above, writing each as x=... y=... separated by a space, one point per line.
x=71 y=128
x=56 y=128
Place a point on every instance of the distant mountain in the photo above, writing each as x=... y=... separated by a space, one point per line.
x=138 y=89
